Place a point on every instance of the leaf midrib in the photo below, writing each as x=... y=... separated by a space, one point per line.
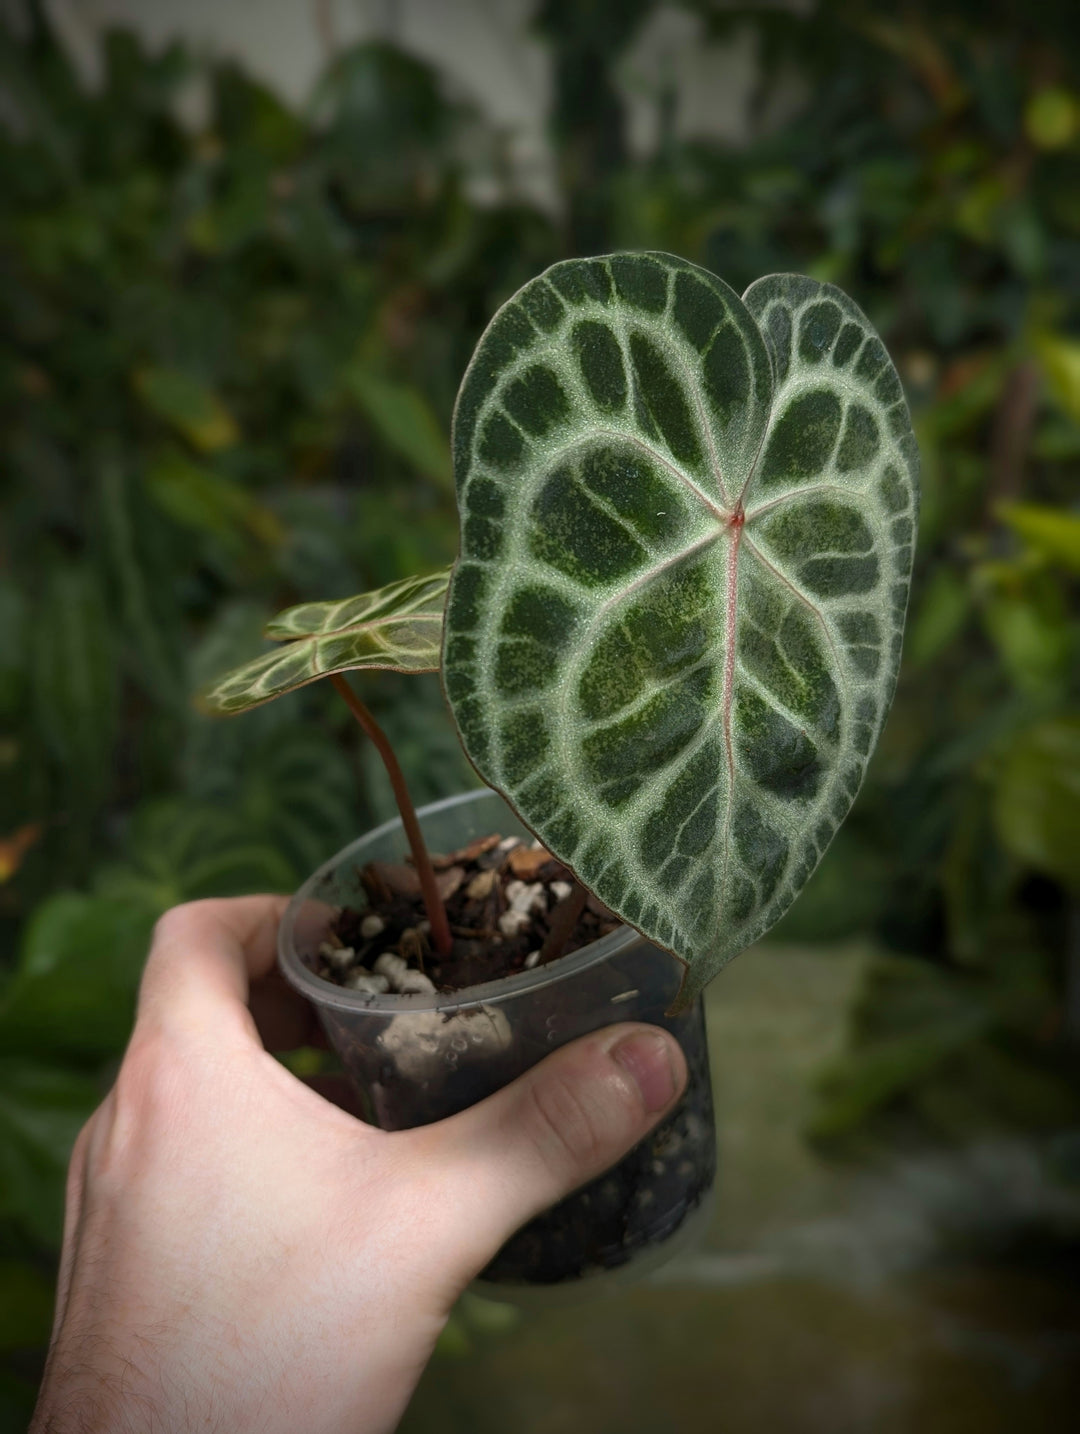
x=730 y=523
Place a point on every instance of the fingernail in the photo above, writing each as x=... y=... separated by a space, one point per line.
x=646 y=1055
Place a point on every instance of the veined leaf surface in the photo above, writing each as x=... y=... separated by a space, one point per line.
x=674 y=626
x=397 y=627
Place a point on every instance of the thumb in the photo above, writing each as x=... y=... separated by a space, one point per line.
x=552 y=1130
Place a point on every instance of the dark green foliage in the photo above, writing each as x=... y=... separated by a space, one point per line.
x=227 y=362
x=226 y=374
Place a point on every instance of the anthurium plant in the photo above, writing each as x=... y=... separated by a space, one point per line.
x=673 y=630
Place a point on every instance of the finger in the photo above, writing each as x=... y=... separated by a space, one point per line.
x=559 y=1126
x=205 y=954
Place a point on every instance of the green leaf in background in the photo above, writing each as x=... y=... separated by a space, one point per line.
x=674 y=629
x=73 y=989
x=74 y=677
x=918 y=1017
x=293 y=787
x=940 y=616
x=1037 y=798
x=42 y=1109
x=1052 y=117
x=183 y=850
x=198 y=498
x=1034 y=636
x=1053 y=532
x=188 y=406
x=1060 y=358
x=249 y=115
x=14 y=648
x=403 y=419
x=398 y=628
x=26 y=1307
x=148 y=610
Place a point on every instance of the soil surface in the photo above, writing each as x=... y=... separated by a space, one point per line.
x=511 y=906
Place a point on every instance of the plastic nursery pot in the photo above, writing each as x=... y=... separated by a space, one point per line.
x=416 y=1059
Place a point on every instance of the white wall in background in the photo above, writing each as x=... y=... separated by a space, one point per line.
x=484 y=47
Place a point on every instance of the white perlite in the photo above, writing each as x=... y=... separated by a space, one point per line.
x=393 y=967
x=365 y=981
x=524 y=899
x=511 y=922
x=415 y=983
x=419 y=1043
x=401 y=977
x=338 y=957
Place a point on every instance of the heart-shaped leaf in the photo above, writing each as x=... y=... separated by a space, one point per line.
x=397 y=627
x=673 y=630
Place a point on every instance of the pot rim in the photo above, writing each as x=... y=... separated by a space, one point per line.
x=489 y=993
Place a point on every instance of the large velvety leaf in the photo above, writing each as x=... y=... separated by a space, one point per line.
x=398 y=627
x=674 y=626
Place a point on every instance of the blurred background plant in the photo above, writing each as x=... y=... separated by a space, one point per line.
x=228 y=359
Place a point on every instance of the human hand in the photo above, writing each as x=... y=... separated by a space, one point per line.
x=241 y=1254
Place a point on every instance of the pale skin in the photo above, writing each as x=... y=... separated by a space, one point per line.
x=240 y=1254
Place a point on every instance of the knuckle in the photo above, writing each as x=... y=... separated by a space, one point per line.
x=176 y=923
x=146 y=1101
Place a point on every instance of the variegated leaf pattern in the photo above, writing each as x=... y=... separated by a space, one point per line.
x=674 y=626
x=398 y=627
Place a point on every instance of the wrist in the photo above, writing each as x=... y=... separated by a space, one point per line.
x=75 y=1399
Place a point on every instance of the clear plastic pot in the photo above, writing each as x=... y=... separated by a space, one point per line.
x=416 y=1059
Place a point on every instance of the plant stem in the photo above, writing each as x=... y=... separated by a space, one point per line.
x=563 y=920
x=433 y=903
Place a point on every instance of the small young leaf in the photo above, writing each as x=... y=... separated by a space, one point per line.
x=398 y=627
x=674 y=626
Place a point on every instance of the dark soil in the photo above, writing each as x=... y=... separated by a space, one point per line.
x=502 y=899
